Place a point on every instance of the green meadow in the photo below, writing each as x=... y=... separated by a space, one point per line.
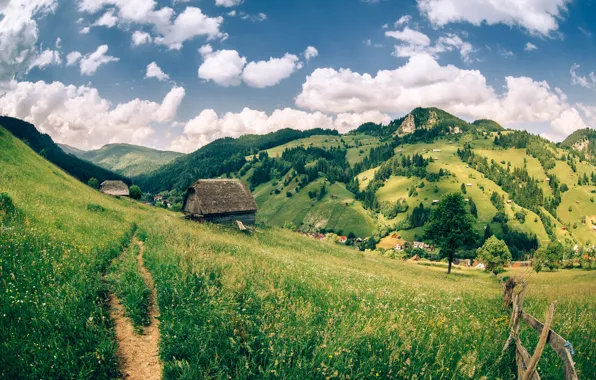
x=271 y=304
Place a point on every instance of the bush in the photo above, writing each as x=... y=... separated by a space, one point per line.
x=135 y=192
x=289 y=226
x=289 y=194
x=8 y=211
x=521 y=216
x=95 y=208
x=93 y=183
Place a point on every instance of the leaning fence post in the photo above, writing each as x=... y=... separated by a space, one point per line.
x=541 y=342
x=517 y=303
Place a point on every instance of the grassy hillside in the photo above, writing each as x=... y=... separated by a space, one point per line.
x=270 y=304
x=45 y=146
x=358 y=146
x=337 y=210
x=129 y=160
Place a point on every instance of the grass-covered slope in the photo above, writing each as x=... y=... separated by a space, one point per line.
x=270 y=304
x=45 y=146
x=52 y=319
x=129 y=160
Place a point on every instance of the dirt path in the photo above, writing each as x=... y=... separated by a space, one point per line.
x=138 y=353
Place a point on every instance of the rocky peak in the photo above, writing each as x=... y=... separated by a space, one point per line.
x=408 y=126
x=581 y=145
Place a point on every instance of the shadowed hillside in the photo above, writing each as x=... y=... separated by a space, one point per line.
x=45 y=146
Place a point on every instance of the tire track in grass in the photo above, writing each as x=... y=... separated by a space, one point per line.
x=138 y=354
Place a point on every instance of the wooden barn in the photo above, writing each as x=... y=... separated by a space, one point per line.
x=220 y=201
x=115 y=188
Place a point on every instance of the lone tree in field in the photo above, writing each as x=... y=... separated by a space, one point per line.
x=93 y=183
x=549 y=257
x=451 y=226
x=494 y=254
x=135 y=192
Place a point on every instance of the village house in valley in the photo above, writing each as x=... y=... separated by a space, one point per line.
x=115 y=188
x=220 y=201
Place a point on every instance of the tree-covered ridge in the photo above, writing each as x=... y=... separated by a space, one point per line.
x=583 y=143
x=579 y=136
x=536 y=146
x=489 y=125
x=429 y=122
x=46 y=147
x=129 y=160
x=225 y=155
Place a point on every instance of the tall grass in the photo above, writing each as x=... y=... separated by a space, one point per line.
x=127 y=282
x=273 y=304
x=279 y=305
x=54 y=249
x=53 y=319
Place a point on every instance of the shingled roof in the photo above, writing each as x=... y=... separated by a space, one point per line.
x=222 y=196
x=117 y=188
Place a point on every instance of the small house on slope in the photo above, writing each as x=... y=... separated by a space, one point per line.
x=114 y=188
x=220 y=201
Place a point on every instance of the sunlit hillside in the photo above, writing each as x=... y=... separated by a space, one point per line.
x=272 y=303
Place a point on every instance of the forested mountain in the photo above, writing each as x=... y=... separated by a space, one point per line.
x=583 y=143
x=384 y=179
x=71 y=149
x=46 y=147
x=226 y=155
x=423 y=121
x=129 y=160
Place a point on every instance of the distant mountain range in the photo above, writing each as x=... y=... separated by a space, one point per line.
x=377 y=178
x=129 y=160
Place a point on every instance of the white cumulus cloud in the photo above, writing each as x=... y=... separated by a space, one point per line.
x=19 y=34
x=80 y=117
x=310 y=53
x=91 y=62
x=108 y=19
x=228 y=3
x=223 y=67
x=422 y=81
x=415 y=43
x=537 y=16
x=154 y=71
x=46 y=58
x=530 y=47
x=228 y=68
x=263 y=74
x=403 y=20
x=168 y=27
x=73 y=57
x=140 y=38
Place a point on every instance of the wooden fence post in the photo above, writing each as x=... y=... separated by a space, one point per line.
x=541 y=342
x=526 y=365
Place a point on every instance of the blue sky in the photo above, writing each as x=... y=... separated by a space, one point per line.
x=179 y=74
